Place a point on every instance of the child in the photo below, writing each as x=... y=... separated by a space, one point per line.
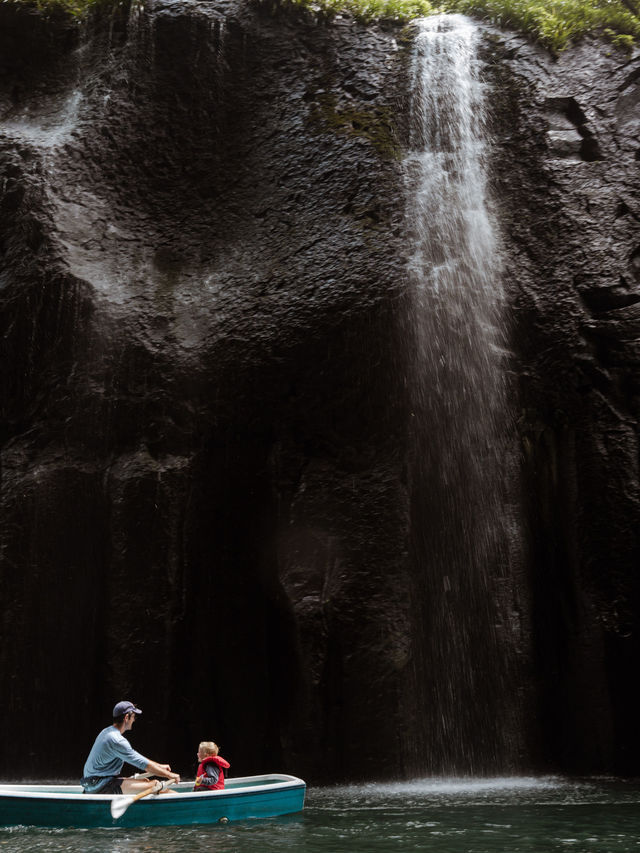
x=210 y=776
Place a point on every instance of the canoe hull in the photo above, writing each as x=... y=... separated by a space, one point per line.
x=63 y=806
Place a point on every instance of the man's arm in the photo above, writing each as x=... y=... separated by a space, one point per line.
x=161 y=770
x=127 y=753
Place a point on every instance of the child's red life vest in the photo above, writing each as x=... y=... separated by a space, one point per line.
x=210 y=776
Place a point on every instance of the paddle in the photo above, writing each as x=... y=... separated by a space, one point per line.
x=119 y=806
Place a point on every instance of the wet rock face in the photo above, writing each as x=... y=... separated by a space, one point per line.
x=205 y=499
x=572 y=235
x=202 y=496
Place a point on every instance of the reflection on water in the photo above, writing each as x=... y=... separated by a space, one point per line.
x=532 y=815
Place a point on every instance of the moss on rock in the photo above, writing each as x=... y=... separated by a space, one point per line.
x=374 y=125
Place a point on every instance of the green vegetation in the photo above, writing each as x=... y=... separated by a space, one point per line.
x=554 y=23
x=559 y=22
x=74 y=8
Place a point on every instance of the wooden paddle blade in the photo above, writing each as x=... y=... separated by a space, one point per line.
x=120 y=805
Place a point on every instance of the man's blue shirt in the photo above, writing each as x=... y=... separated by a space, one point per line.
x=109 y=753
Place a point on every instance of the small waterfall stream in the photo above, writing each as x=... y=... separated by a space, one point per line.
x=465 y=538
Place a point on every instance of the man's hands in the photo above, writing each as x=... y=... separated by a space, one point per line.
x=162 y=770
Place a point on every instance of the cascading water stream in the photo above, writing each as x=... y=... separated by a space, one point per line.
x=465 y=540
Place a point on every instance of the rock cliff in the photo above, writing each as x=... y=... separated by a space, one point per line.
x=206 y=454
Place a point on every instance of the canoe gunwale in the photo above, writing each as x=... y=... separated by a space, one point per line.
x=64 y=806
x=273 y=782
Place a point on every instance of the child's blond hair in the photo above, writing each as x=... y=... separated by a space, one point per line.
x=208 y=747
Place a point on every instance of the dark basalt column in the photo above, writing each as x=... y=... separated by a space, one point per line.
x=567 y=183
x=202 y=495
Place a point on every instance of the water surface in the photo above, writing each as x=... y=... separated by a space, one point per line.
x=441 y=816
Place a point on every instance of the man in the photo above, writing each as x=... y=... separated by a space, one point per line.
x=110 y=751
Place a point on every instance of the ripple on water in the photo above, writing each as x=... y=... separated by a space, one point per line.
x=523 y=815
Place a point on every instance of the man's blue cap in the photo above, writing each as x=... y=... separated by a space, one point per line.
x=125 y=708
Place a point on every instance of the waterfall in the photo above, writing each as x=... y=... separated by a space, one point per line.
x=465 y=536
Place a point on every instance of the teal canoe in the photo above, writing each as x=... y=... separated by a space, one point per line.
x=66 y=806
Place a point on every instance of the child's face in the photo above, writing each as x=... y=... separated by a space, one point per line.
x=201 y=755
